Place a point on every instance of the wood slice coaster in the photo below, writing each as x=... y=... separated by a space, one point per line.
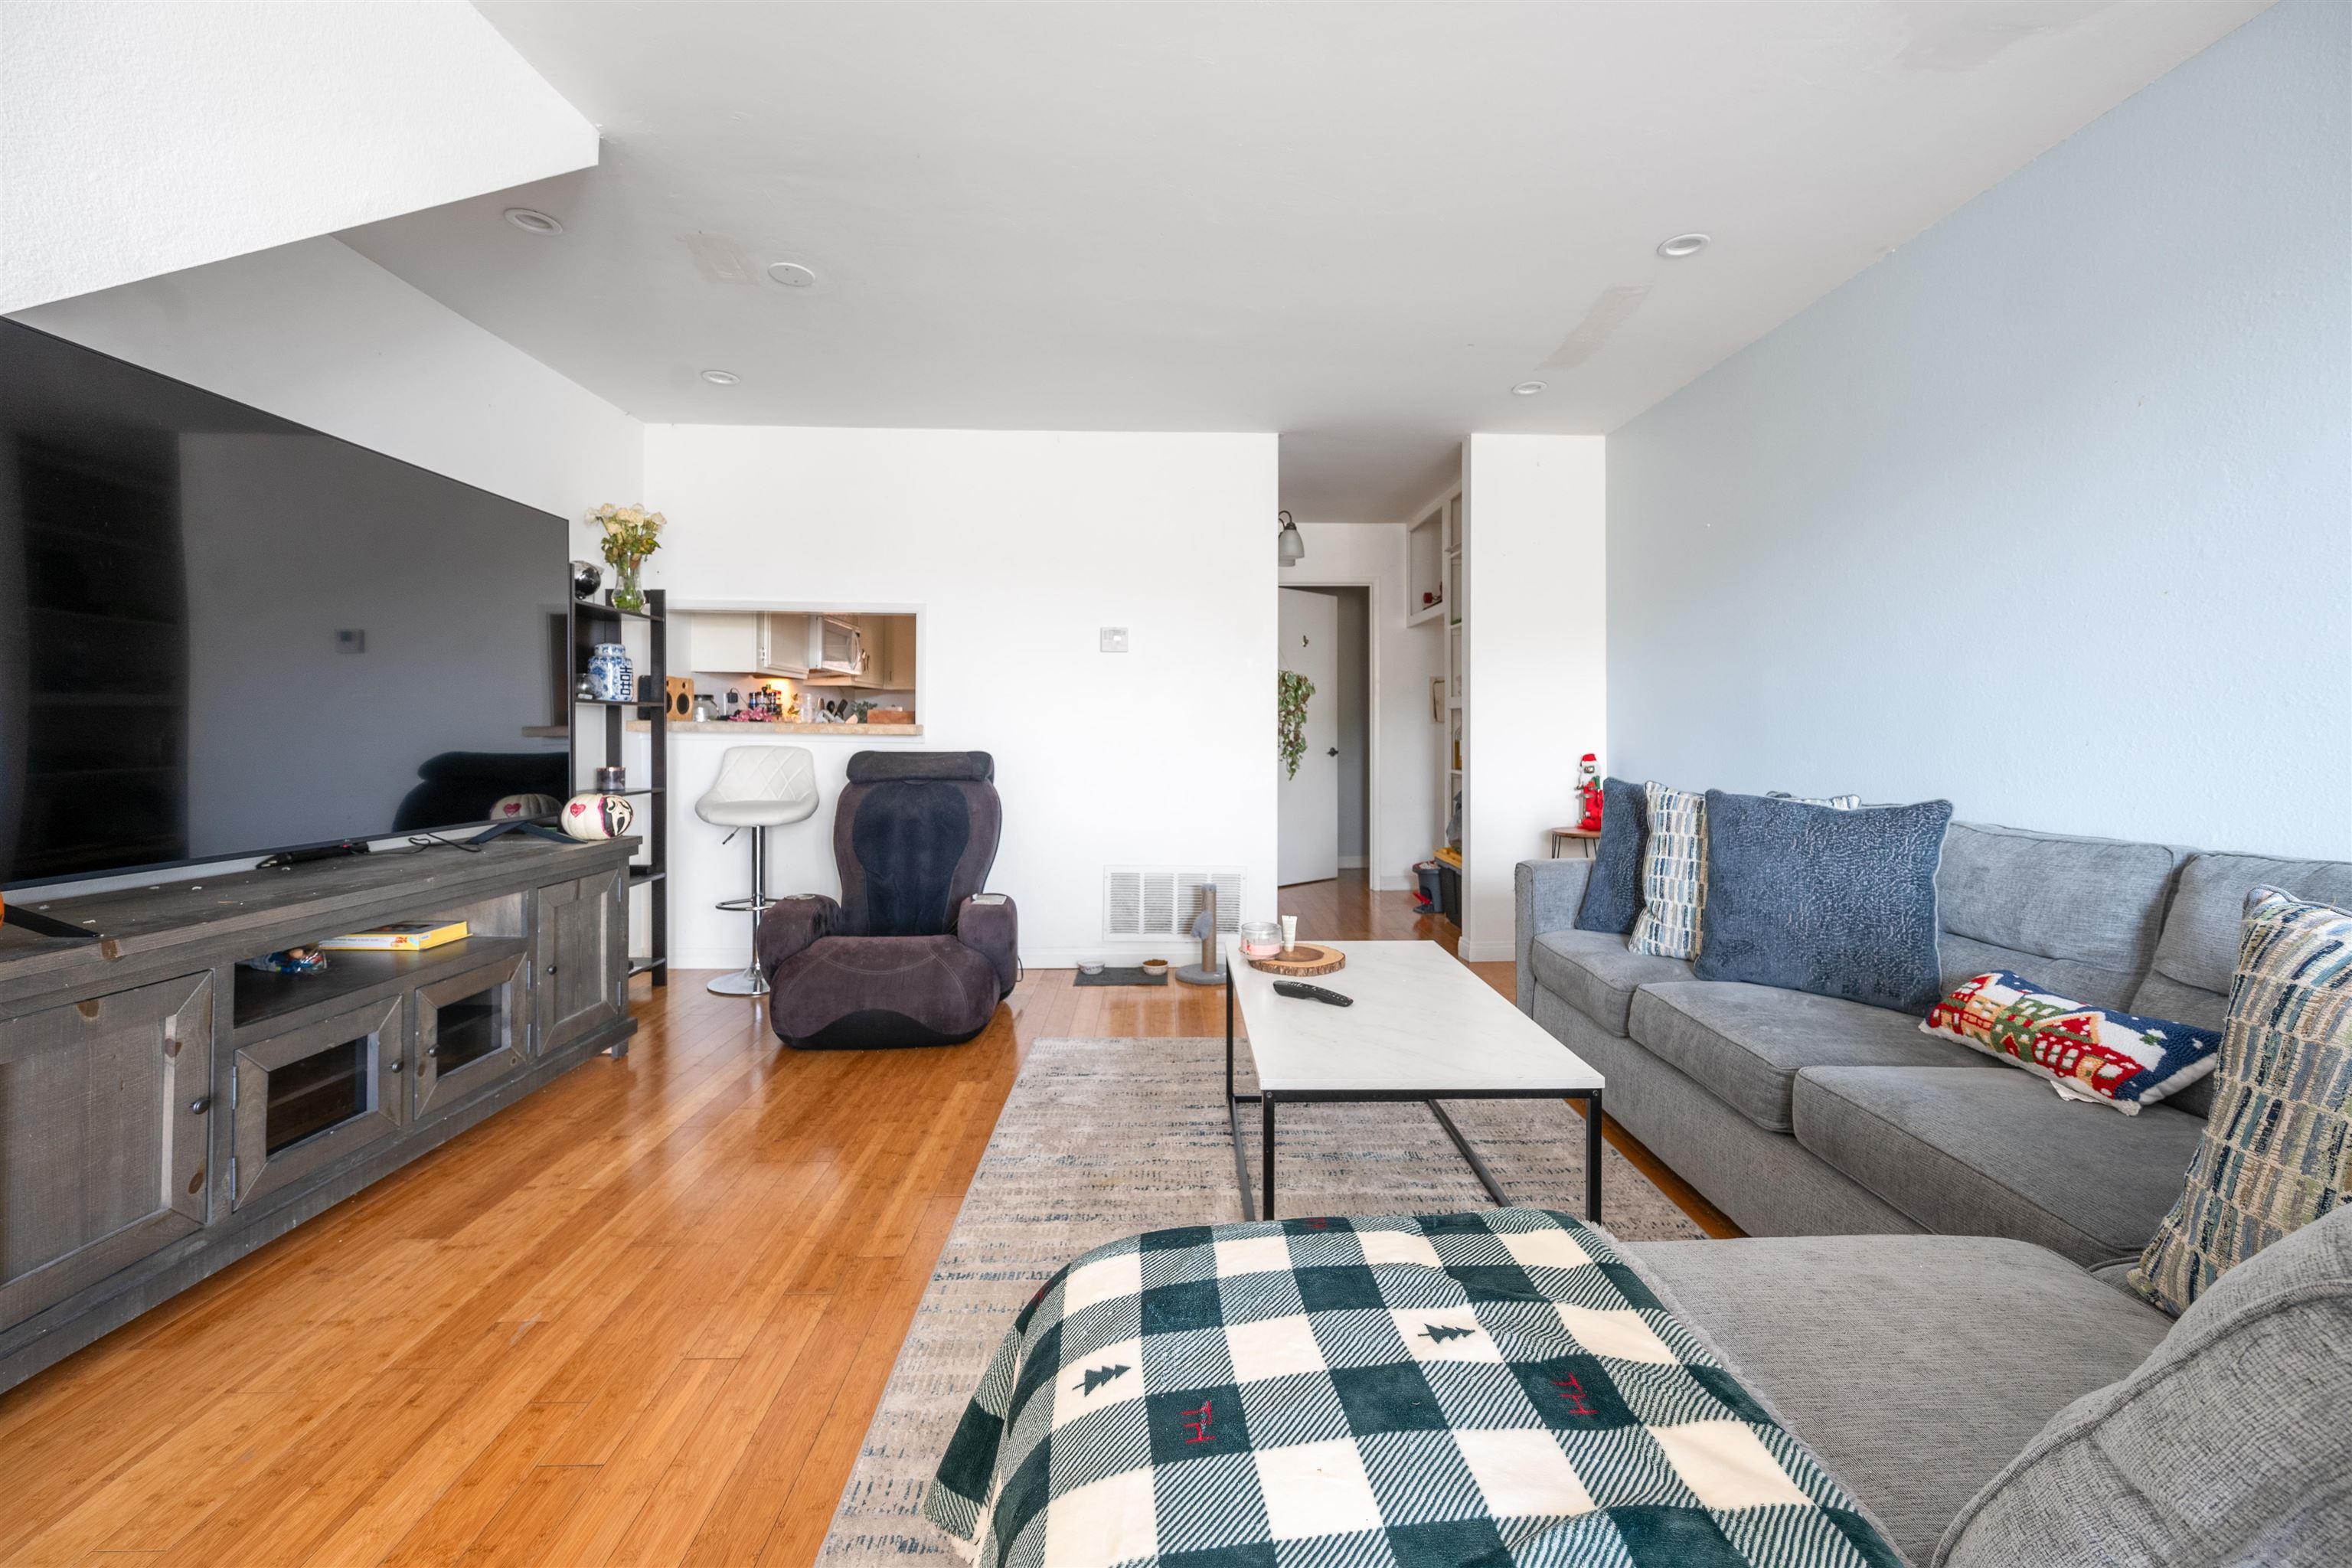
x=1305 y=959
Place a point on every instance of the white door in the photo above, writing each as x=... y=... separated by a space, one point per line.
x=1308 y=847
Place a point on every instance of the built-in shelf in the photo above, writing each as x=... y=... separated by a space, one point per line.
x=612 y=702
x=588 y=607
x=262 y=997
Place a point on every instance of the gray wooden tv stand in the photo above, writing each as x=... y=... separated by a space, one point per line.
x=163 y=1112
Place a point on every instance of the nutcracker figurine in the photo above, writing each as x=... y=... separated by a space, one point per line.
x=1588 y=784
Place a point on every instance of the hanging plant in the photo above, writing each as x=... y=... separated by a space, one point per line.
x=1291 y=693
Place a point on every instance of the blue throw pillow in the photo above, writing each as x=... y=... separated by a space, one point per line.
x=1612 y=893
x=1839 y=904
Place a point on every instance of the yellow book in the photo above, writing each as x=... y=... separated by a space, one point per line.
x=400 y=936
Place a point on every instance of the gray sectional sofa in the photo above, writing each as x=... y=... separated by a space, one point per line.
x=1991 y=1401
x=1804 y=1115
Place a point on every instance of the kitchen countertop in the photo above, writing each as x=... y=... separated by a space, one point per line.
x=726 y=727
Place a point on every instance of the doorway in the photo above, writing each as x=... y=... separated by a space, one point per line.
x=1324 y=826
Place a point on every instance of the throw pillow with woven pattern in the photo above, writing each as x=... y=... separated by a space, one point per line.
x=2086 y=1053
x=1673 y=868
x=2278 y=1149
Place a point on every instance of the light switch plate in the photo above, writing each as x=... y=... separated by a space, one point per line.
x=1113 y=639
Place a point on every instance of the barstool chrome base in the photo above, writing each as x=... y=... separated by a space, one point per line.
x=743 y=982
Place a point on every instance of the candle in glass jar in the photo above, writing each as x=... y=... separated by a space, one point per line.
x=1260 y=938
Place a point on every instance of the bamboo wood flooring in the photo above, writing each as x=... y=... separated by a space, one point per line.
x=641 y=1317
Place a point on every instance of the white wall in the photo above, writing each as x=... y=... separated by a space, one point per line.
x=1535 y=655
x=2049 y=513
x=317 y=333
x=1015 y=547
x=1406 y=745
x=143 y=138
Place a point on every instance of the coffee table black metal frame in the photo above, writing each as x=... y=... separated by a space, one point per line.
x=1251 y=1207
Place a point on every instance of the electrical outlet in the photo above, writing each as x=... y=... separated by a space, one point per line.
x=1113 y=639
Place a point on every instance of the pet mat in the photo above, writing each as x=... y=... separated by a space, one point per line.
x=1115 y=976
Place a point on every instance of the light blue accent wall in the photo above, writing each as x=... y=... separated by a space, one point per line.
x=2050 y=512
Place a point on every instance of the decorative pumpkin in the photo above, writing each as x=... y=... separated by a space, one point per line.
x=593 y=816
x=517 y=807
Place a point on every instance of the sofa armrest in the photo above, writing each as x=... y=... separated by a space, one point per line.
x=792 y=926
x=994 y=929
x=1545 y=895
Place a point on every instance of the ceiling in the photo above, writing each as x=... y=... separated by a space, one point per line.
x=1357 y=225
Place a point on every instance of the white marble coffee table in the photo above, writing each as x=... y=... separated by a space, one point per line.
x=1423 y=1027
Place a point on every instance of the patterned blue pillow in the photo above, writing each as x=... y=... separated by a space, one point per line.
x=1612 y=893
x=1810 y=897
x=1673 y=919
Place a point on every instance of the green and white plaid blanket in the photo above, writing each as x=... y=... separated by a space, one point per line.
x=1495 y=1388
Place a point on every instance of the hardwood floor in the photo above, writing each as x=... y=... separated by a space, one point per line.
x=643 y=1317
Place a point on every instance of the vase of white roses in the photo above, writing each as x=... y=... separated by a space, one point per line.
x=631 y=533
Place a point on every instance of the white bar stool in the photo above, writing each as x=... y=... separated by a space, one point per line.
x=758 y=787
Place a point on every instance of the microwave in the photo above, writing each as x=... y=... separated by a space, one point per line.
x=835 y=646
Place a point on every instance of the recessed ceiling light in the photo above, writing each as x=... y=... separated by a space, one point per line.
x=792 y=275
x=721 y=377
x=534 y=220
x=1683 y=245
x=1528 y=388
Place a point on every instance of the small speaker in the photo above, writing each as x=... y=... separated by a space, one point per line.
x=680 y=695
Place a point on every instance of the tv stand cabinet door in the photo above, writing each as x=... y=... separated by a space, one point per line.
x=469 y=1031
x=582 y=933
x=104 y=1107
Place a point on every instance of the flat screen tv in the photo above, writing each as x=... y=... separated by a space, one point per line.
x=223 y=635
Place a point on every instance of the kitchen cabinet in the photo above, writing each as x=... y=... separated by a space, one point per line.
x=768 y=642
x=890 y=652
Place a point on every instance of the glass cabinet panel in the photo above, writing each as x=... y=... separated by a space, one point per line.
x=471 y=1030
x=308 y=1097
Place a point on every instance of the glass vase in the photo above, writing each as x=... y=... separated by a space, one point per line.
x=626 y=592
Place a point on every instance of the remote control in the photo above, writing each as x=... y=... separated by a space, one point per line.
x=1306 y=992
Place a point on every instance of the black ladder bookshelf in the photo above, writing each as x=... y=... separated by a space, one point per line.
x=590 y=624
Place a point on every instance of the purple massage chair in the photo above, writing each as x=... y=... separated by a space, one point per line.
x=914 y=954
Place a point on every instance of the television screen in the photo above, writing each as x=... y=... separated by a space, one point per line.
x=222 y=634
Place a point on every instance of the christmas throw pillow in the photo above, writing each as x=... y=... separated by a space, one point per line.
x=2086 y=1053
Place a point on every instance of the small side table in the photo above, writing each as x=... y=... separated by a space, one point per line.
x=1583 y=836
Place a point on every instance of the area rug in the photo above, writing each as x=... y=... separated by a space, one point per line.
x=1100 y=1139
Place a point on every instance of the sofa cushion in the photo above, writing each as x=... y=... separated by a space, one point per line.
x=2277 y=1150
x=2079 y=915
x=1612 y=896
x=1899 y=1359
x=1745 y=1044
x=2229 y=1445
x=1597 y=973
x=1996 y=1154
x=2197 y=951
x=1839 y=903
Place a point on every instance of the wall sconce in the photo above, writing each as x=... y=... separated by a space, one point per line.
x=1290 y=546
